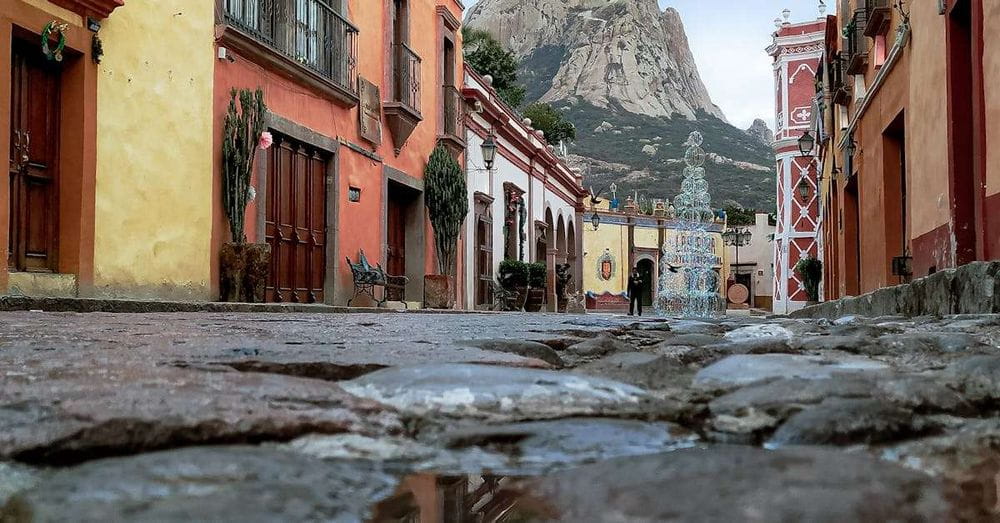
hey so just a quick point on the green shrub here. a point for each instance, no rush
(513, 274)
(811, 271)
(536, 274)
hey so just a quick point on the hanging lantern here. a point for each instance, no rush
(595, 220)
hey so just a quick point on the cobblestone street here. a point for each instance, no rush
(343, 416)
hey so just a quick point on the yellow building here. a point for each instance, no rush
(110, 125)
(628, 238)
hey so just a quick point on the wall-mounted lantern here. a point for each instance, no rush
(489, 149)
(595, 220)
(806, 143)
(803, 188)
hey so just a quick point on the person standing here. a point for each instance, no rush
(635, 287)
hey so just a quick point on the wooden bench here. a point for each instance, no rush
(366, 278)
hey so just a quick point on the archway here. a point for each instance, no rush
(561, 237)
(550, 228)
(648, 275)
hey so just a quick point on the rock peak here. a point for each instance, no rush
(625, 54)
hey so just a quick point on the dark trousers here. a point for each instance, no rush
(635, 303)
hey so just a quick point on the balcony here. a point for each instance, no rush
(840, 91)
(306, 40)
(857, 43)
(879, 16)
(453, 127)
(403, 110)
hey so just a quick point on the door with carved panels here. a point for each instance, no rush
(33, 172)
(295, 223)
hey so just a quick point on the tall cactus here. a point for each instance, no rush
(448, 202)
(241, 135)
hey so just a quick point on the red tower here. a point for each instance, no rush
(796, 50)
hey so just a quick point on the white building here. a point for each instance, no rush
(753, 264)
(525, 207)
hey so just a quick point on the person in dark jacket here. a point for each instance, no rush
(635, 287)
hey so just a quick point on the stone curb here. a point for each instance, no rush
(22, 303)
(973, 288)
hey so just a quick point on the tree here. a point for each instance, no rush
(448, 203)
(485, 55)
(550, 121)
(737, 216)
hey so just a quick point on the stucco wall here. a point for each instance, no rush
(927, 129)
(153, 215)
(613, 238)
(991, 80)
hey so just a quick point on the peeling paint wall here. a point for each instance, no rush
(153, 215)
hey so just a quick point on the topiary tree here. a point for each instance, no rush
(241, 137)
(447, 200)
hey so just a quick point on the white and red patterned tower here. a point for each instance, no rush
(797, 49)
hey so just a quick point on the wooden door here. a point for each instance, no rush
(33, 173)
(295, 223)
(395, 243)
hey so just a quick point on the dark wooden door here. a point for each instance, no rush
(646, 273)
(395, 244)
(295, 223)
(34, 130)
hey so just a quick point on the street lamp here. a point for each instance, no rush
(489, 149)
(595, 220)
(806, 143)
(737, 238)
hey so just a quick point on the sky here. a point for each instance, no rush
(728, 38)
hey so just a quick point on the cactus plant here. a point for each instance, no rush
(241, 135)
(448, 203)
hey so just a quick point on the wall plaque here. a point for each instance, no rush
(370, 111)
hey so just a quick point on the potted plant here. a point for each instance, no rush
(536, 287)
(447, 202)
(243, 268)
(513, 277)
(811, 271)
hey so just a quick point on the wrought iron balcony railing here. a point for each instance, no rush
(857, 43)
(840, 91)
(453, 113)
(406, 72)
(308, 32)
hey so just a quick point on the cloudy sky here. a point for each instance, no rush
(728, 38)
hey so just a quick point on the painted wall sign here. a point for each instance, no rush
(370, 111)
(606, 266)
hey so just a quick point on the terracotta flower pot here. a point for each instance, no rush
(243, 272)
(536, 298)
(439, 291)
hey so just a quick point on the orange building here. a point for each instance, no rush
(910, 94)
(359, 92)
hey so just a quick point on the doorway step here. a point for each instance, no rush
(42, 285)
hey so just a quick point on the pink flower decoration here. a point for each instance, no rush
(265, 140)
